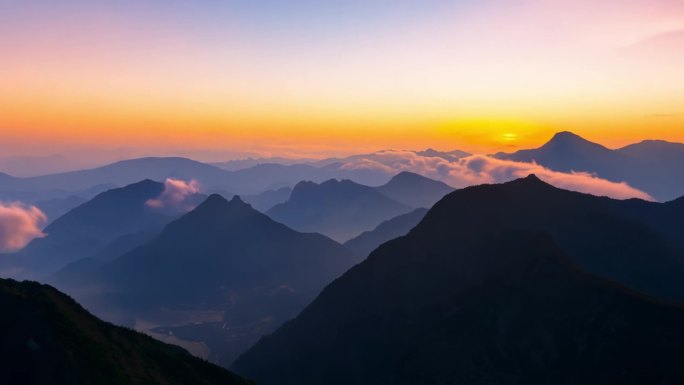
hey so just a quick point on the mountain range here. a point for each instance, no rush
(519, 283)
(226, 257)
(338, 209)
(652, 166)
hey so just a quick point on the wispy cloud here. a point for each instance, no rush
(176, 195)
(19, 224)
(479, 169)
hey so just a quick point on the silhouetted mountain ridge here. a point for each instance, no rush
(47, 338)
(487, 290)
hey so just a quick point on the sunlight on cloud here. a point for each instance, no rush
(176, 195)
(19, 224)
(480, 169)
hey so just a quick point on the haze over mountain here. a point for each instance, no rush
(386, 231)
(651, 166)
(123, 173)
(414, 190)
(47, 338)
(28, 166)
(267, 199)
(224, 257)
(56, 207)
(338, 209)
(491, 287)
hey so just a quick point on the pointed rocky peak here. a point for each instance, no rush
(216, 203)
(530, 182)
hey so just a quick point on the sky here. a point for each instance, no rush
(221, 79)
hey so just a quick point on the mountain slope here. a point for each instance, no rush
(414, 190)
(386, 231)
(88, 228)
(47, 338)
(338, 209)
(470, 298)
(224, 257)
(651, 166)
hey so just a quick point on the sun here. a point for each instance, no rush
(509, 136)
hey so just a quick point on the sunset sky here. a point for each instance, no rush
(317, 78)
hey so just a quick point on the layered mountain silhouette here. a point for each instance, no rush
(47, 338)
(55, 208)
(126, 172)
(414, 190)
(386, 231)
(223, 256)
(89, 228)
(501, 284)
(651, 166)
(338, 209)
(267, 199)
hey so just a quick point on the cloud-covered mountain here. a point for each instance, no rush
(414, 190)
(47, 338)
(386, 231)
(492, 287)
(225, 257)
(651, 166)
(338, 209)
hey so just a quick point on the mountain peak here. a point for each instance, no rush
(566, 139)
(533, 178)
(566, 135)
(530, 181)
(408, 175)
(215, 199)
(217, 205)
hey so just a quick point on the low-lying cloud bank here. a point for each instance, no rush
(19, 225)
(480, 169)
(176, 196)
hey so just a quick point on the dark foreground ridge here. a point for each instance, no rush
(484, 291)
(47, 338)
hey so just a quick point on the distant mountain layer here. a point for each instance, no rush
(414, 190)
(267, 199)
(47, 338)
(651, 166)
(338, 209)
(224, 256)
(123, 173)
(386, 231)
(491, 288)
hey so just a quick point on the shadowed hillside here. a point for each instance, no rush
(47, 338)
